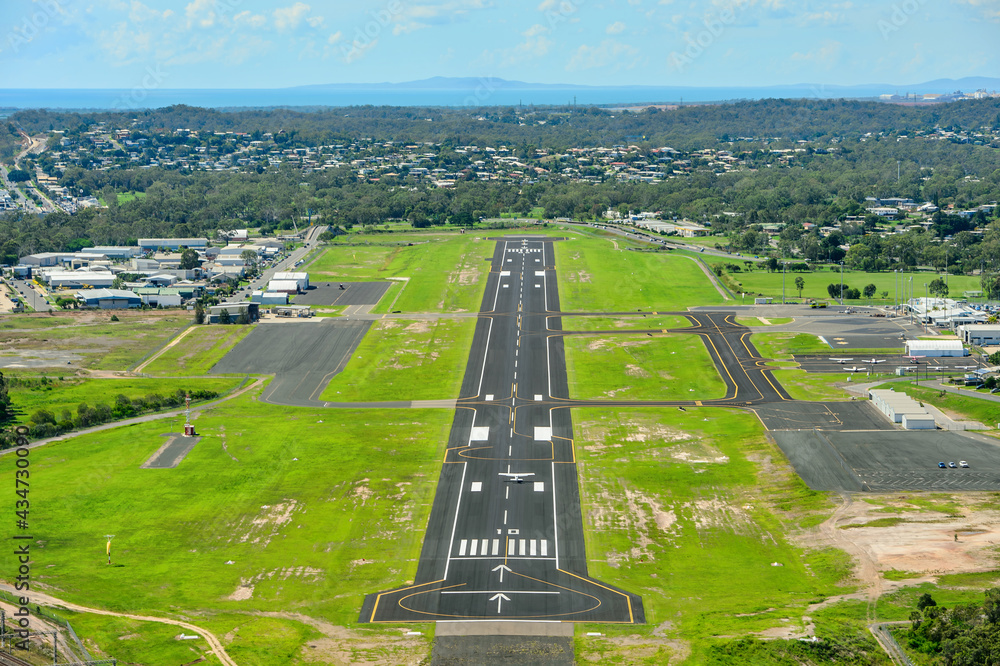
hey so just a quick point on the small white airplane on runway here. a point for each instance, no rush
(855, 369)
(842, 361)
(873, 360)
(516, 477)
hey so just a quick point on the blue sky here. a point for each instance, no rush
(257, 44)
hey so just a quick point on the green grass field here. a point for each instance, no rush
(762, 321)
(693, 523)
(784, 345)
(594, 277)
(60, 393)
(198, 351)
(102, 344)
(624, 323)
(802, 385)
(671, 366)
(406, 360)
(446, 275)
(311, 509)
(769, 284)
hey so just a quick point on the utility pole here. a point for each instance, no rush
(784, 266)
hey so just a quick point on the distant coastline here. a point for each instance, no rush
(468, 92)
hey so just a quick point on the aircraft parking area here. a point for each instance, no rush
(891, 460)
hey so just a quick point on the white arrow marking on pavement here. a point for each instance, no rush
(501, 568)
(499, 597)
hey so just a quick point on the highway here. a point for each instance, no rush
(499, 547)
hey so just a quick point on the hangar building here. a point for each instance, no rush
(935, 348)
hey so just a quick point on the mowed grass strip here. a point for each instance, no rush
(275, 508)
(65, 393)
(624, 323)
(695, 522)
(671, 366)
(784, 345)
(816, 283)
(594, 277)
(406, 360)
(198, 351)
(445, 275)
(802, 385)
(764, 321)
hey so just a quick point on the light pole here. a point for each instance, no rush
(842, 283)
(784, 266)
(895, 297)
(926, 308)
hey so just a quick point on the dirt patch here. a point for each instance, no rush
(633, 370)
(266, 524)
(343, 646)
(419, 327)
(924, 544)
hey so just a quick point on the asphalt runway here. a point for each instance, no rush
(303, 356)
(505, 536)
(892, 460)
(353, 293)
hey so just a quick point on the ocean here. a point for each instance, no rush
(482, 93)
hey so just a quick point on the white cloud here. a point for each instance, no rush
(989, 8)
(289, 18)
(608, 52)
(411, 17)
(827, 54)
(249, 19)
(200, 12)
(335, 37)
(615, 28)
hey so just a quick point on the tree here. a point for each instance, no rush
(189, 260)
(224, 317)
(925, 601)
(199, 313)
(994, 358)
(833, 290)
(800, 284)
(5, 410)
(250, 260)
(243, 319)
(869, 291)
(938, 287)
(771, 264)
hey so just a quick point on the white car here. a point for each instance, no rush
(962, 463)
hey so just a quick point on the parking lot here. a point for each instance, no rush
(892, 460)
